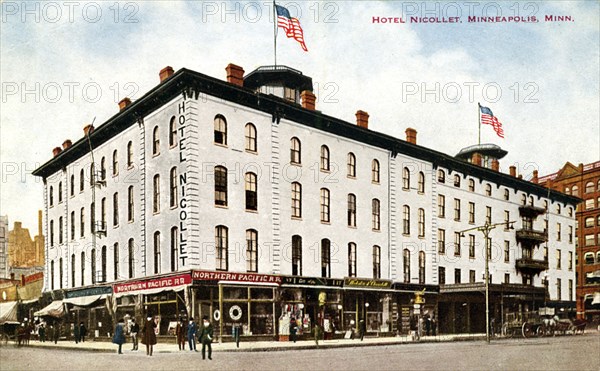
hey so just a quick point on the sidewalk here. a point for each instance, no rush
(260, 346)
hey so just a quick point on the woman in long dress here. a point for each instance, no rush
(149, 336)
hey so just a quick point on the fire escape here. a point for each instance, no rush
(530, 239)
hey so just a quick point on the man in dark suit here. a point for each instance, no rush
(206, 337)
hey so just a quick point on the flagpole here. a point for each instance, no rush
(479, 118)
(275, 32)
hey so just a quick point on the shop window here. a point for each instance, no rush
(251, 192)
(296, 255)
(221, 247)
(351, 165)
(296, 200)
(351, 210)
(251, 250)
(295, 151)
(172, 132)
(220, 186)
(250, 137)
(351, 259)
(325, 158)
(376, 262)
(220, 130)
(325, 258)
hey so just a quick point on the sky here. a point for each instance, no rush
(64, 63)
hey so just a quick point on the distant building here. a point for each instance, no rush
(583, 181)
(4, 246)
(25, 255)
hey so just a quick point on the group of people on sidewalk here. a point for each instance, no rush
(189, 332)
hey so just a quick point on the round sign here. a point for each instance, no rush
(217, 315)
(235, 312)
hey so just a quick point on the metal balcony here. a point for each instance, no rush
(526, 234)
(531, 265)
(531, 211)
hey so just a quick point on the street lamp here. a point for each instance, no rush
(486, 229)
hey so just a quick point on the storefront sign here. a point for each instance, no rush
(233, 276)
(312, 281)
(367, 283)
(164, 282)
(90, 291)
(34, 277)
(412, 287)
(183, 213)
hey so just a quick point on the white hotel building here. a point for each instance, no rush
(238, 200)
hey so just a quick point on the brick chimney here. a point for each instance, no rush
(534, 179)
(411, 135)
(67, 143)
(164, 74)
(476, 159)
(235, 74)
(56, 151)
(88, 129)
(495, 165)
(124, 103)
(308, 99)
(362, 119)
(512, 171)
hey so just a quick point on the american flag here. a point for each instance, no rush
(290, 25)
(488, 118)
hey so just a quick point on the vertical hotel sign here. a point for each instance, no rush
(182, 171)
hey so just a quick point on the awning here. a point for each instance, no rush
(54, 309)
(83, 301)
(8, 312)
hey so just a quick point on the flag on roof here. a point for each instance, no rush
(488, 118)
(290, 25)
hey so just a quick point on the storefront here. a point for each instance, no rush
(415, 304)
(368, 300)
(88, 306)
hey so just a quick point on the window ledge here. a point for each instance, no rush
(299, 218)
(251, 211)
(327, 223)
(251, 152)
(222, 206)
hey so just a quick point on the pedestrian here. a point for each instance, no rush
(119, 336)
(293, 329)
(433, 326)
(56, 334)
(135, 329)
(180, 332)
(192, 330)
(148, 335)
(236, 334)
(42, 333)
(318, 333)
(76, 334)
(427, 325)
(82, 332)
(362, 328)
(206, 337)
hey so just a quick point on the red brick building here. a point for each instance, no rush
(583, 181)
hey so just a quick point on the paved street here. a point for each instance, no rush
(558, 353)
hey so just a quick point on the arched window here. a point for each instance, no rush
(93, 266)
(351, 165)
(324, 158)
(82, 268)
(441, 176)
(406, 219)
(155, 141)
(251, 192)
(52, 233)
(375, 171)
(405, 179)
(421, 223)
(116, 261)
(422, 267)
(60, 190)
(103, 263)
(81, 180)
(406, 265)
(115, 163)
(51, 196)
(220, 186)
(251, 250)
(130, 204)
(92, 175)
(325, 205)
(115, 209)
(575, 191)
(457, 180)
(131, 257)
(376, 262)
(156, 194)
(598, 257)
(174, 248)
(60, 230)
(172, 132)
(589, 258)
(421, 185)
(221, 247)
(92, 217)
(251, 138)
(589, 187)
(471, 185)
(72, 270)
(52, 275)
(82, 222)
(72, 185)
(589, 221)
(296, 200)
(296, 255)
(488, 190)
(156, 244)
(72, 225)
(376, 214)
(220, 130)
(173, 187)
(295, 151)
(351, 210)
(129, 154)
(103, 168)
(598, 186)
(351, 259)
(325, 258)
